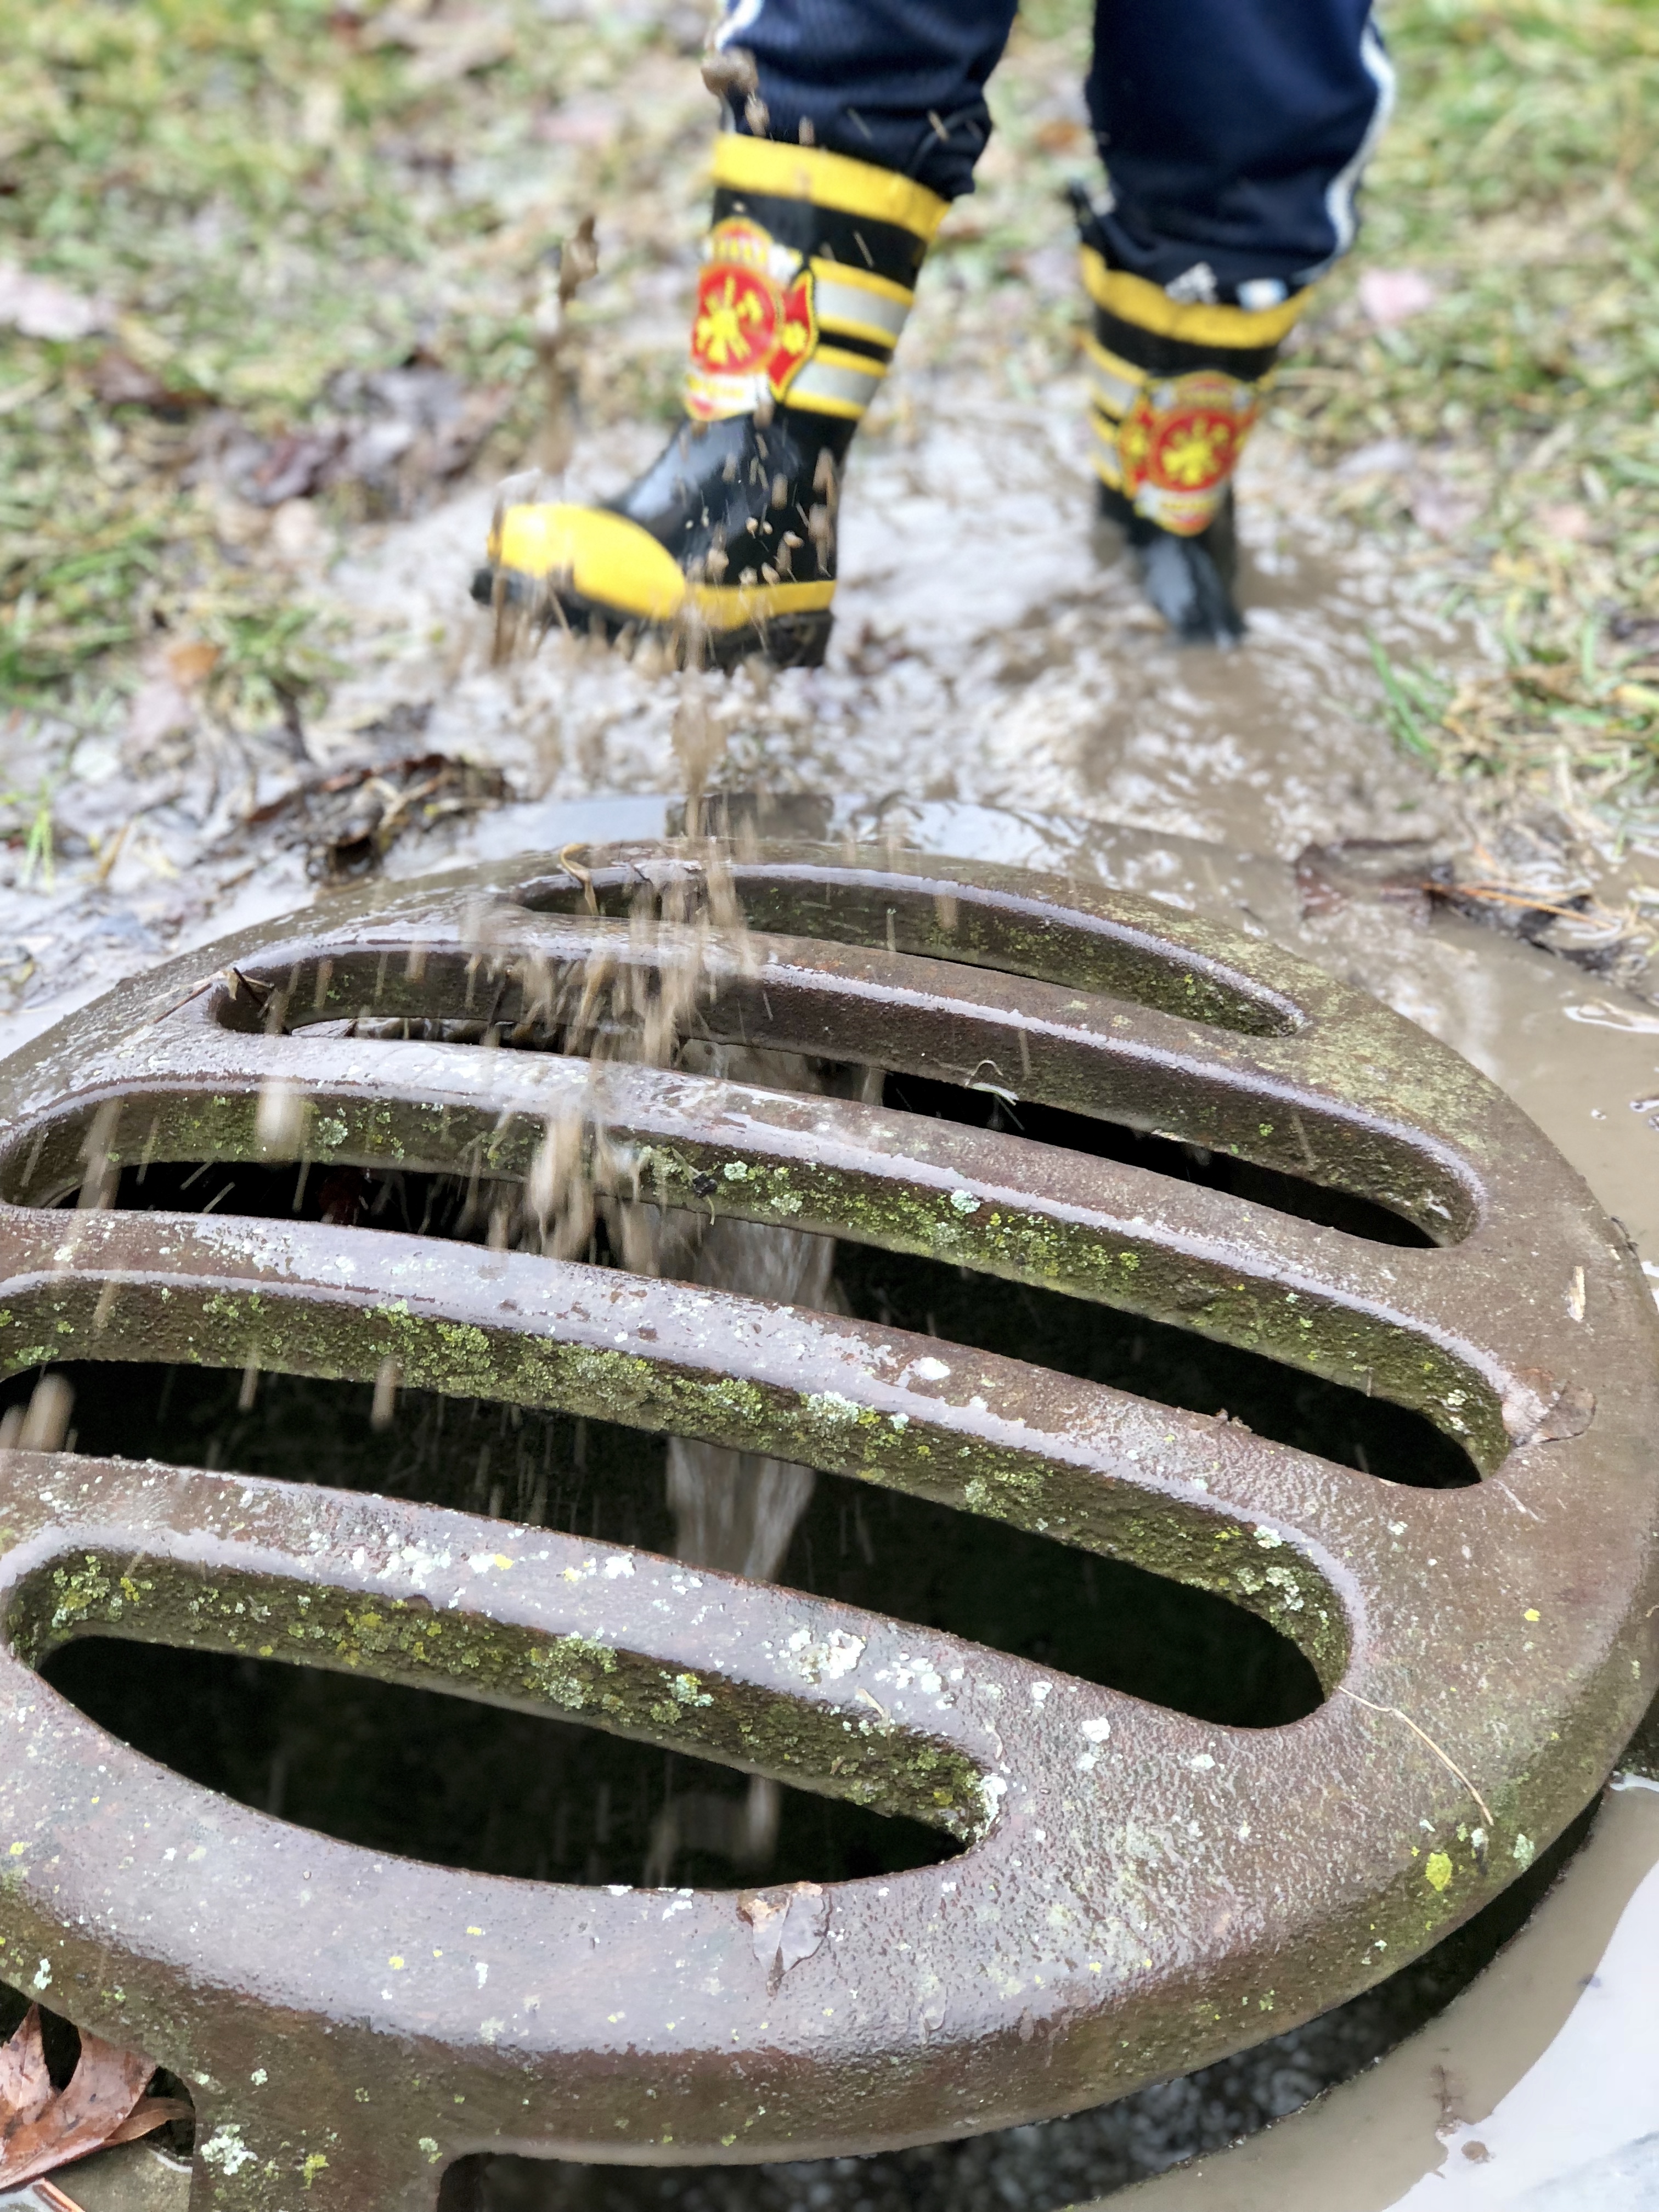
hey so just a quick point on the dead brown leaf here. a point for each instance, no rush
(1061, 134)
(167, 701)
(118, 380)
(191, 662)
(351, 820)
(43, 2128)
(785, 1926)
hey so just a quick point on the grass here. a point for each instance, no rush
(271, 197)
(1413, 701)
(1521, 177)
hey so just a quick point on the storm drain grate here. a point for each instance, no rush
(1140, 1890)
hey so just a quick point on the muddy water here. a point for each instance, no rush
(1536, 2091)
(990, 646)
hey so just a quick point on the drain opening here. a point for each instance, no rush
(954, 922)
(1101, 1344)
(1302, 1199)
(433, 1777)
(884, 1550)
(1175, 1366)
(537, 1001)
(989, 1107)
(437, 1778)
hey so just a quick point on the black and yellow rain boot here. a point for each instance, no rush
(1175, 387)
(727, 544)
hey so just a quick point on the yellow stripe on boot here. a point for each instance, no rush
(613, 564)
(768, 312)
(1194, 322)
(768, 168)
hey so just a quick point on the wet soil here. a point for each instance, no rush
(991, 645)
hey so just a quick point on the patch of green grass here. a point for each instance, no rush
(1520, 174)
(265, 196)
(1415, 700)
(32, 827)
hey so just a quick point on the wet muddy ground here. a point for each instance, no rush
(990, 648)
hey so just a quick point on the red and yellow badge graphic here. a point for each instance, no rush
(1180, 443)
(755, 324)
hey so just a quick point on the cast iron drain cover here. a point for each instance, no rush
(1141, 1892)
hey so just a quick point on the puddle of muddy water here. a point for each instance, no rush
(1536, 2091)
(991, 645)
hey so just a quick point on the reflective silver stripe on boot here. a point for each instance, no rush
(837, 381)
(852, 305)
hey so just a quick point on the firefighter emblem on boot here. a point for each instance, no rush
(1180, 443)
(754, 324)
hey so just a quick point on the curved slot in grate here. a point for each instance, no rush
(1097, 1138)
(1162, 1360)
(1158, 1360)
(424, 1777)
(1099, 1620)
(1156, 957)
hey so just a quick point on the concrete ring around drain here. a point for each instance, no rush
(1483, 1649)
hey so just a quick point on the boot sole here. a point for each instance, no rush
(797, 640)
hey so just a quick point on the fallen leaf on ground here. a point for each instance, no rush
(42, 2128)
(192, 661)
(1392, 296)
(41, 307)
(120, 381)
(351, 819)
(1061, 133)
(296, 464)
(165, 701)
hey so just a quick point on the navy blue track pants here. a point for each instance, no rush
(1233, 132)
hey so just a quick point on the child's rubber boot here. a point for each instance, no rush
(1176, 386)
(726, 545)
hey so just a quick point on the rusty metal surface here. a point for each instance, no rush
(1141, 1892)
